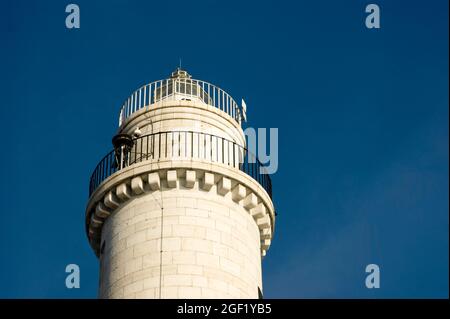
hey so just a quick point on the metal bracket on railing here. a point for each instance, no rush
(122, 146)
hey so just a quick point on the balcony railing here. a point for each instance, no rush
(181, 145)
(179, 89)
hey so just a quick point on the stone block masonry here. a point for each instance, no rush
(172, 238)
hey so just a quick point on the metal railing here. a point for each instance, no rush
(179, 89)
(181, 145)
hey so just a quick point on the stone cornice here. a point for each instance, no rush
(146, 177)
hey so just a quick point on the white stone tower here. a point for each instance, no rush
(180, 208)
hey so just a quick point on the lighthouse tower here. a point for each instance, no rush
(179, 208)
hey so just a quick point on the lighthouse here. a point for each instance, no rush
(179, 208)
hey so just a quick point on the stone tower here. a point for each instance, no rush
(179, 208)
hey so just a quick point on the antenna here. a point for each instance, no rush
(180, 64)
(244, 110)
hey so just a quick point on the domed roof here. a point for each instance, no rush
(180, 74)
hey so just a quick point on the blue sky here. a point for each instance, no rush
(362, 117)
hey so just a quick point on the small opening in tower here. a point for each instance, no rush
(102, 249)
(260, 294)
